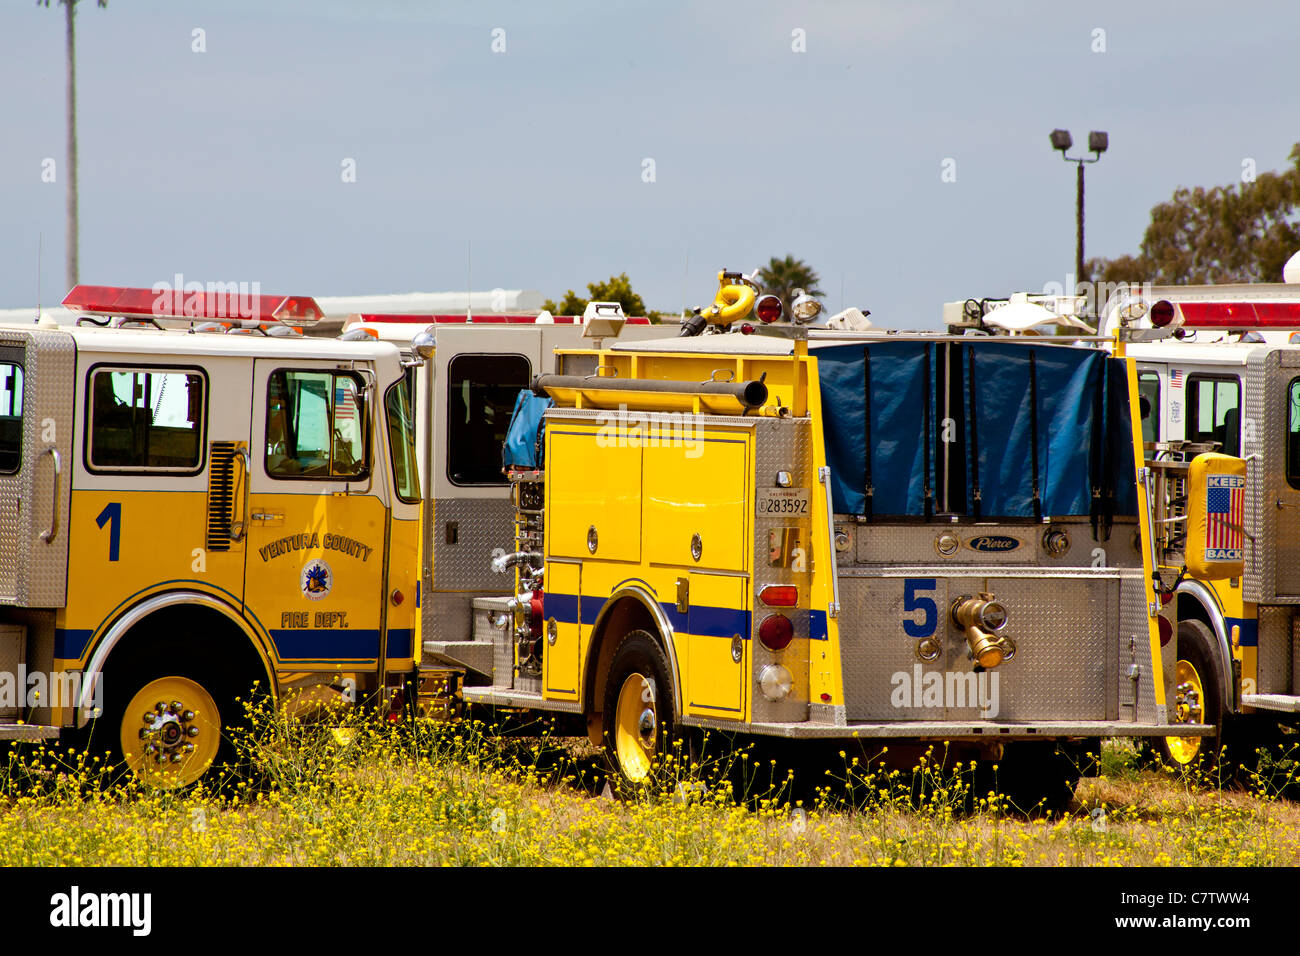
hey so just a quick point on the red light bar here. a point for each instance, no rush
(1239, 316)
(482, 318)
(178, 304)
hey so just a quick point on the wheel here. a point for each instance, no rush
(1038, 777)
(1198, 698)
(167, 716)
(638, 713)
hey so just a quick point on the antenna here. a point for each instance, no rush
(469, 277)
(40, 242)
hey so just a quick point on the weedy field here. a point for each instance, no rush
(370, 793)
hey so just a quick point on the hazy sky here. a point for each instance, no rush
(229, 164)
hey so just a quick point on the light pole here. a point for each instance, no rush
(1097, 143)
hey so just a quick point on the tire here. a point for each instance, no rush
(638, 711)
(1038, 777)
(167, 716)
(1198, 690)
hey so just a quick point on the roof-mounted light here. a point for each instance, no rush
(164, 303)
(805, 307)
(768, 308)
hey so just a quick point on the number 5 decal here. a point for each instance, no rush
(914, 602)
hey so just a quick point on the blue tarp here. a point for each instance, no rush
(523, 446)
(1008, 406)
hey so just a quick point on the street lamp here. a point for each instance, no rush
(1097, 143)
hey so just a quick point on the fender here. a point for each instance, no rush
(646, 600)
(1205, 597)
(121, 627)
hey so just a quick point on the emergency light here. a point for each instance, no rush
(180, 304)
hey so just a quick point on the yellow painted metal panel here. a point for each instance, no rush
(699, 487)
(560, 661)
(716, 618)
(315, 577)
(1216, 493)
(594, 482)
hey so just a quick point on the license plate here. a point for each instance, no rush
(780, 502)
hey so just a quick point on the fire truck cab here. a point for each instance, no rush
(1218, 372)
(186, 511)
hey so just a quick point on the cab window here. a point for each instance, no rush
(315, 425)
(11, 417)
(401, 439)
(481, 393)
(146, 420)
(1149, 404)
(1214, 411)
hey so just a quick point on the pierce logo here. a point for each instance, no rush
(993, 542)
(317, 579)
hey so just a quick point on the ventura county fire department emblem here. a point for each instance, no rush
(317, 579)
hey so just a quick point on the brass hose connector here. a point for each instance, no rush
(983, 619)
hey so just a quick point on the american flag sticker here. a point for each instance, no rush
(1225, 512)
(1176, 378)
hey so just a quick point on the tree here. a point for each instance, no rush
(1237, 233)
(615, 289)
(781, 277)
(70, 10)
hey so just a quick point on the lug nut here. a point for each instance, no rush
(187, 716)
(192, 731)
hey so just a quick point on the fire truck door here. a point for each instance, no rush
(36, 426)
(317, 516)
(1282, 478)
(478, 373)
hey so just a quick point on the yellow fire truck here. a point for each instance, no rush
(1219, 372)
(888, 538)
(185, 511)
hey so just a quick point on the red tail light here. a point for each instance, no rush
(779, 595)
(768, 308)
(776, 632)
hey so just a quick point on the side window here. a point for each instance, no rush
(1149, 402)
(481, 393)
(11, 417)
(1293, 434)
(146, 420)
(1214, 411)
(315, 425)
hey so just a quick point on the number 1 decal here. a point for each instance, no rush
(914, 602)
(112, 516)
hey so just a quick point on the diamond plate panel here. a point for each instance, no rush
(1062, 670)
(783, 445)
(13, 641)
(485, 611)
(876, 543)
(1259, 560)
(482, 526)
(449, 616)
(1137, 695)
(1274, 651)
(33, 571)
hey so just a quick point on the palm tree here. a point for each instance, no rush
(70, 11)
(782, 276)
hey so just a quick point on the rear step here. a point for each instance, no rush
(1287, 703)
(16, 731)
(474, 655)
